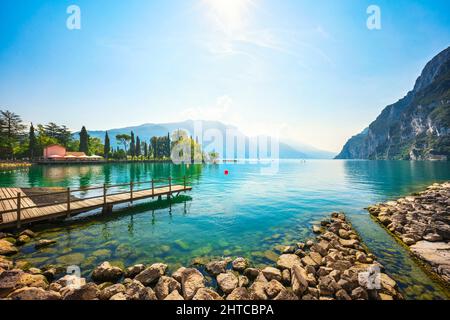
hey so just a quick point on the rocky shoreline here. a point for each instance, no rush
(334, 266)
(422, 223)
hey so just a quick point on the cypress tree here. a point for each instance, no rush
(138, 147)
(168, 146)
(132, 145)
(107, 146)
(84, 141)
(145, 150)
(32, 143)
(153, 146)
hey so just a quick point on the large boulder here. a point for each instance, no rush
(33, 293)
(328, 286)
(287, 261)
(299, 280)
(216, 267)
(273, 288)
(178, 274)
(251, 273)
(107, 273)
(206, 294)
(151, 274)
(133, 271)
(258, 288)
(5, 263)
(111, 291)
(227, 282)
(174, 295)
(8, 281)
(135, 290)
(7, 248)
(165, 286)
(239, 294)
(240, 264)
(271, 273)
(286, 295)
(87, 292)
(191, 281)
(118, 297)
(70, 281)
(32, 280)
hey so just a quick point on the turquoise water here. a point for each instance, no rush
(244, 213)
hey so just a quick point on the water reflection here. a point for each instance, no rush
(243, 213)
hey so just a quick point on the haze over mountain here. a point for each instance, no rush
(287, 150)
(417, 127)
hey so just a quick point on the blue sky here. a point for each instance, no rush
(311, 70)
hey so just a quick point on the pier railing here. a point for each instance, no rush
(21, 201)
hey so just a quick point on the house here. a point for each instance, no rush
(59, 153)
(54, 151)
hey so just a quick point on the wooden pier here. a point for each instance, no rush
(18, 209)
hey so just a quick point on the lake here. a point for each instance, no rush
(242, 213)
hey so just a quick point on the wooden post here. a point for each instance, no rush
(104, 194)
(68, 202)
(131, 191)
(153, 187)
(18, 209)
(184, 182)
(170, 185)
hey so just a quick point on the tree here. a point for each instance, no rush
(107, 148)
(32, 144)
(167, 153)
(61, 133)
(132, 145)
(11, 131)
(154, 146)
(84, 141)
(124, 140)
(95, 146)
(145, 149)
(185, 148)
(137, 150)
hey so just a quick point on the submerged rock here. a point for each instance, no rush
(7, 248)
(44, 243)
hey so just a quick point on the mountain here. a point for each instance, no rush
(146, 131)
(417, 127)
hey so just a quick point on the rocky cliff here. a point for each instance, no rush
(416, 127)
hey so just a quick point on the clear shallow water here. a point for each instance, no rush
(244, 213)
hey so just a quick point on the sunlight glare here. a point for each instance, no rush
(230, 15)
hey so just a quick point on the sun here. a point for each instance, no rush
(230, 15)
